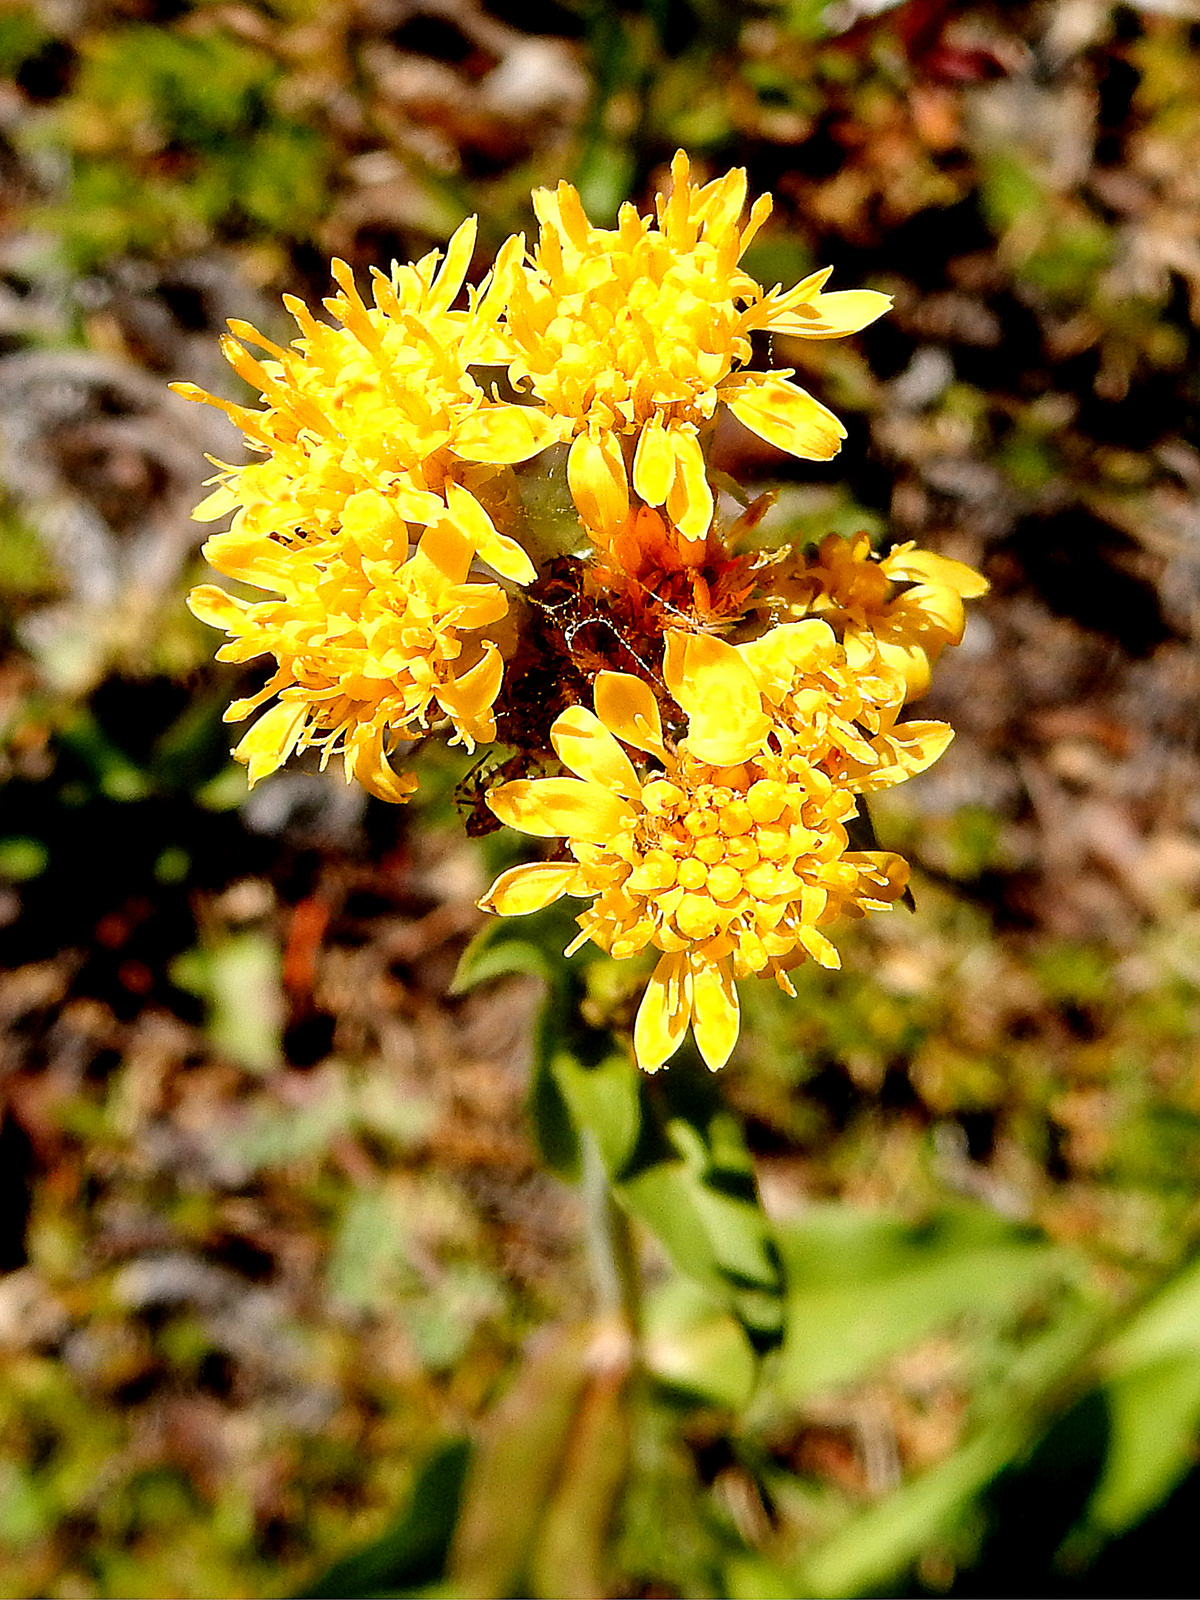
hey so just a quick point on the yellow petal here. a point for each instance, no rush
(720, 203)
(910, 661)
(478, 604)
(689, 500)
(806, 290)
(716, 688)
(523, 889)
(832, 316)
(905, 751)
(566, 806)
(250, 557)
(501, 553)
(715, 1014)
(908, 565)
(502, 434)
(272, 739)
(792, 647)
(216, 606)
(653, 463)
(449, 280)
(859, 645)
(562, 208)
(367, 764)
(584, 744)
(597, 480)
(216, 504)
(627, 707)
(418, 505)
(664, 1014)
(469, 699)
(883, 877)
(370, 517)
(938, 613)
(784, 415)
(445, 547)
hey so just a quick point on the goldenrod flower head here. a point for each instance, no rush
(795, 688)
(895, 615)
(383, 402)
(368, 638)
(728, 860)
(633, 335)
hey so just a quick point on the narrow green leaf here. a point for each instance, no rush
(605, 1100)
(870, 1552)
(1155, 1416)
(515, 1468)
(1168, 1325)
(1154, 1403)
(495, 952)
(413, 1550)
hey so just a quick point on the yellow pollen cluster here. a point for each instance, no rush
(726, 861)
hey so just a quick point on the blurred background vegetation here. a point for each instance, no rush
(276, 1224)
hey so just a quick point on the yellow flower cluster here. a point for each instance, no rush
(731, 853)
(373, 431)
(366, 639)
(704, 802)
(633, 335)
(893, 615)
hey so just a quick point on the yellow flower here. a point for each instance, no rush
(726, 857)
(894, 615)
(796, 686)
(384, 402)
(633, 335)
(368, 639)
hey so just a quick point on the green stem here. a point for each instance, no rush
(616, 1280)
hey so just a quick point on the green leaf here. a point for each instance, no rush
(1154, 1413)
(868, 1553)
(1154, 1405)
(891, 1285)
(553, 1129)
(1169, 1325)
(697, 1347)
(605, 1100)
(413, 1550)
(497, 952)
(692, 1184)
